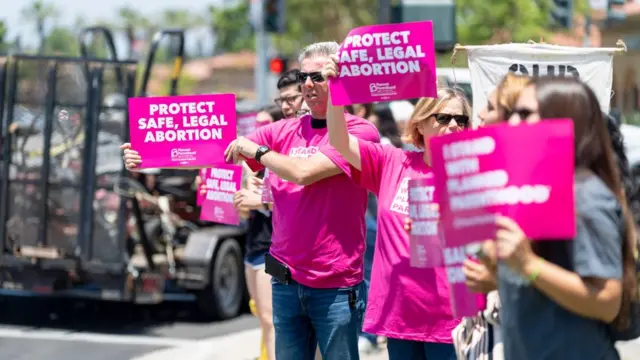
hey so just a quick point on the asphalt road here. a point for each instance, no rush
(52, 329)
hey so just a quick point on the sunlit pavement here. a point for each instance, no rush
(49, 329)
(64, 331)
(244, 346)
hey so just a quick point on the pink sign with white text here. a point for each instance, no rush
(189, 131)
(524, 172)
(199, 196)
(384, 63)
(247, 123)
(425, 242)
(463, 301)
(222, 182)
(266, 188)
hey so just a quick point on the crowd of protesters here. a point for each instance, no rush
(328, 258)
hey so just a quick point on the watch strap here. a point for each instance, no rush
(260, 152)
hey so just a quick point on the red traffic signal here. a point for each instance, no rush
(277, 65)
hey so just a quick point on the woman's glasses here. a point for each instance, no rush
(445, 119)
(523, 113)
(289, 100)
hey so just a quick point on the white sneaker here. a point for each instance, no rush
(365, 346)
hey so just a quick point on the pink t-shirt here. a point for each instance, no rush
(319, 229)
(404, 302)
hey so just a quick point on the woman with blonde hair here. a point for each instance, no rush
(502, 100)
(416, 316)
(480, 337)
(500, 106)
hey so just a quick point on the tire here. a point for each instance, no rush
(222, 299)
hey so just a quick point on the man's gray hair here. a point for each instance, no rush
(319, 49)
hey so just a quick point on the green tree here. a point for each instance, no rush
(500, 21)
(181, 19)
(40, 13)
(61, 40)
(327, 20)
(4, 46)
(231, 28)
(130, 19)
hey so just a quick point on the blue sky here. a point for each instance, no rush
(91, 11)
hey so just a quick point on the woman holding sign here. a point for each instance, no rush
(568, 299)
(416, 315)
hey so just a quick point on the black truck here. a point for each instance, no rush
(73, 221)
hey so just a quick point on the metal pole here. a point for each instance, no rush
(262, 49)
(587, 32)
(384, 11)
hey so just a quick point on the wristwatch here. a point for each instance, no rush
(261, 151)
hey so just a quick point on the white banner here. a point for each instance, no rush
(489, 64)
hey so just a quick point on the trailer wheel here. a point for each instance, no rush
(222, 298)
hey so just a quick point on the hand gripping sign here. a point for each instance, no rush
(425, 241)
(222, 182)
(524, 172)
(384, 63)
(182, 131)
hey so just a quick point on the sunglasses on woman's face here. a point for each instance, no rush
(523, 113)
(315, 76)
(445, 119)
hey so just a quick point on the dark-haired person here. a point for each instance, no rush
(382, 118)
(360, 110)
(248, 201)
(368, 343)
(562, 299)
(290, 97)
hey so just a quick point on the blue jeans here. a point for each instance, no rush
(416, 350)
(304, 317)
(368, 263)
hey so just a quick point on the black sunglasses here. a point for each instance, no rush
(315, 76)
(523, 113)
(445, 119)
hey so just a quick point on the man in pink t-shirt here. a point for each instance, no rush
(318, 243)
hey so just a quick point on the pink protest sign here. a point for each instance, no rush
(463, 301)
(247, 123)
(425, 243)
(200, 197)
(222, 182)
(266, 188)
(384, 63)
(524, 172)
(182, 131)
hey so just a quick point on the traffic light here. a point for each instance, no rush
(274, 16)
(442, 13)
(562, 14)
(277, 65)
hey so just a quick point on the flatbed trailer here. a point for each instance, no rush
(63, 229)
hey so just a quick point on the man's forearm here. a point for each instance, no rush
(287, 168)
